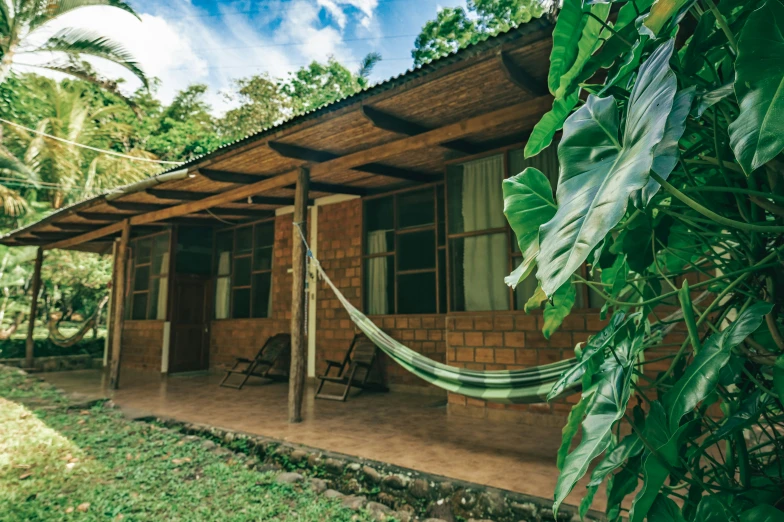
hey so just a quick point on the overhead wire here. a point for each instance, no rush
(89, 147)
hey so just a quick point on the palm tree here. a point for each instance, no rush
(23, 22)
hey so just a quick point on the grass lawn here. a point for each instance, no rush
(61, 464)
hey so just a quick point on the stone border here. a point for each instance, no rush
(57, 363)
(383, 489)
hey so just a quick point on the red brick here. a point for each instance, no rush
(505, 356)
(484, 355)
(401, 322)
(464, 323)
(455, 339)
(514, 339)
(465, 354)
(454, 398)
(478, 403)
(420, 335)
(483, 323)
(526, 357)
(494, 339)
(504, 322)
(474, 339)
(525, 322)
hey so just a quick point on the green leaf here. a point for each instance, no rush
(757, 135)
(656, 467)
(528, 204)
(664, 510)
(702, 375)
(763, 513)
(630, 446)
(611, 394)
(710, 509)
(556, 311)
(748, 412)
(660, 14)
(711, 98)
(621, 484)
(587, 43)
(666, 153)
(535, 301)
(596, 345)
(778, 377)
(615, 275)
(599, 170)
(570, 428)
(568, 28)
(542, 135)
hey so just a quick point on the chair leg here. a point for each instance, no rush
(248, 373)
(349, 383)
(229, 374)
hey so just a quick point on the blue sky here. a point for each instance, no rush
(214, 41)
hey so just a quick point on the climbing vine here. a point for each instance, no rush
(671, 191)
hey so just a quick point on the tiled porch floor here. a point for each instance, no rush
(406, 430)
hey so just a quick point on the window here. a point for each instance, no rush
(243, 275)
(149, 284)
(404, 253)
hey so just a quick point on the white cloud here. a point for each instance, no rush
(181, 44)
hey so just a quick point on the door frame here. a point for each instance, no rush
(207, 314)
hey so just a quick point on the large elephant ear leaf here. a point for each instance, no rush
(702, 375)
(757, 135)
(528, 204)
(600, 170)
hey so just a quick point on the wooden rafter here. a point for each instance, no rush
(390, 122)
(519, 76)
(288, 150)
(245, 179)
(185, 195)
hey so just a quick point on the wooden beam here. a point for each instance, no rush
(118, 320)
(298, 342)
(152, 207)
(102, 216)
(111, 312)
(89, 236)
(288, 150)
(30, 342)
(390, 122)
(184, 195)
(133, 206)
(243, 178)
(518, 76)
(528, 113)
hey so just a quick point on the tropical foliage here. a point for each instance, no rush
(456, 27)
(26, 39)
(671, 191)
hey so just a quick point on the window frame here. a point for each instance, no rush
(246, 255)
(434, 187)
(151, 278)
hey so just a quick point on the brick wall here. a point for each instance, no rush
(142, 343)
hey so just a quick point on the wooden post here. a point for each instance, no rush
(298, 344)
(112, 312)
(30, 343)
(121, 271)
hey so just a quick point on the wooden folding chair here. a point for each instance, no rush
(262, 364)
(354, 370)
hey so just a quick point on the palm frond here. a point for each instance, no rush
(11, 202)
(5, 17)
(55, 8)
(79, 42)
(368, 63)
(11, 167)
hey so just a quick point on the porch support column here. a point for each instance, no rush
(30, 343)
(298, 344)
(118, 318)
(112, 312)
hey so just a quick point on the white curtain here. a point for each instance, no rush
(223, 286)
(484, 257)
(377, 292)
(163, 287)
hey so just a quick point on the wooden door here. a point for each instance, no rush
(190, 337)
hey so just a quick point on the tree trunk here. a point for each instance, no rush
(298, 344)
(30, 343)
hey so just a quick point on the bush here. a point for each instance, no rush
(15, 348)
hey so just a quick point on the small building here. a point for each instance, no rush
(402, 185)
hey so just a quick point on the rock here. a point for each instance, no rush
(318, 485)
(479, 520)
(229, 437)
(402, 516)
(445, 489)
(267, 467)
(395, 481)
(354, 502)
(208, 445)
(373, 476)
(441, 511)
(546, 515)
(493, 503)
(314, 459)
(353, 486)
(387, 499)
(282, 451)
(527, 510)
(288, 478)
(331, 493)
(298, 456)
(434, 520)
(419, 488)
(334, 465)
(353, 467)
(378, 511)
(465, 498)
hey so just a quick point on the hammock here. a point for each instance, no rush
(8, 332)
(530, 385)
(58, 339)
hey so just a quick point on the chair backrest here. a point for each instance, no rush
(363, 350)
(274, 346)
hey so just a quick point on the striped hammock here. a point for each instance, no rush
(530, 385)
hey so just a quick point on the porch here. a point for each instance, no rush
(407, 430)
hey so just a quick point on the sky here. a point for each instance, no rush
(182, 42)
